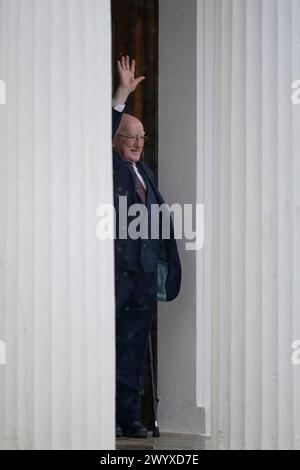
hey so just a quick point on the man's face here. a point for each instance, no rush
(128, 142)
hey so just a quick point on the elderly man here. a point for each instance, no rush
(146, 269)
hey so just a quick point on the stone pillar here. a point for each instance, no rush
(255, 224)
(56, 277)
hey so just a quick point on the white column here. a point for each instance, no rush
(255, 223)
(56, 277)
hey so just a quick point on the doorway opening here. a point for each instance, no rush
(135, 33)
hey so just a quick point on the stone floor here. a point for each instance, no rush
(166, 441)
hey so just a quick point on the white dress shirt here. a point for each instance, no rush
(138, 174)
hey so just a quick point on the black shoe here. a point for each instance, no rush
(118, 431)
(135, 429)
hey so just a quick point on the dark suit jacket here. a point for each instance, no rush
(145, 255)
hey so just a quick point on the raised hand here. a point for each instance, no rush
(127, 73)
(128, 82)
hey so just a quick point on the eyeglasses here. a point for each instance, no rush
(133, 138)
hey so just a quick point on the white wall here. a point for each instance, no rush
(56, 278)
(180, 349)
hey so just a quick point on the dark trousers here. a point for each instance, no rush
(135, 297)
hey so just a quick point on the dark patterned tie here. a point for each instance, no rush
(139, 187)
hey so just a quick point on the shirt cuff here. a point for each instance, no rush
(118, 107)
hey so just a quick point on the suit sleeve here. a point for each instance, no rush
(116, 119)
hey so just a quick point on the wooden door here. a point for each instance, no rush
(135, 33)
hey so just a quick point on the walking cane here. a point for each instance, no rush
(154, 398)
